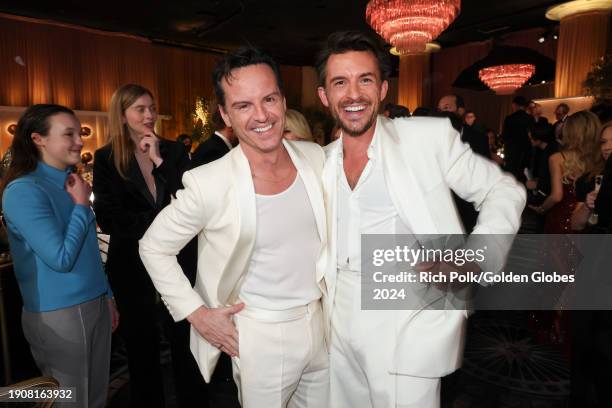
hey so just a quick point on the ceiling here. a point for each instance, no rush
(290, 30)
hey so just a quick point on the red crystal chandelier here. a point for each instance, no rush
(505, 79)
(410, 24)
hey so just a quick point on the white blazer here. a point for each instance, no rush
(423, 159)
(218, 205)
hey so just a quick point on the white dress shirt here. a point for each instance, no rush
(367, 209)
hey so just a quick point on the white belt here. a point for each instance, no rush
(344, 270)
(280, 315)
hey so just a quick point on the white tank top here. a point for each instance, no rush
(282, 272)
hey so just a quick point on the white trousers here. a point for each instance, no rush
(283, 359)
(361, 355)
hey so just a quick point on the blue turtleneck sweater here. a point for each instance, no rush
(53, 242)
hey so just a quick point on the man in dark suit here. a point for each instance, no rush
(516, 140)
(561, 112)
(452, 106)
(542, 137)
(217, 145)
(475, 135)
(471, 133)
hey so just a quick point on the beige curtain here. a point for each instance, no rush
(80, 68)
(414, 86)
(582, 42)
(449, 62)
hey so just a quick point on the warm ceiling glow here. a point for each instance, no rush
(409, 25)
(570, 8)
(505, 79)
(430, 48)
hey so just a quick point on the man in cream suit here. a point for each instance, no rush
(395, 177)
(259, 216)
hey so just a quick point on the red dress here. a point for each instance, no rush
(558, 217)
(560, 253)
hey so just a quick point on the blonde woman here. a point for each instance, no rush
(580, 156)
(135, 175)
(579, 161)
(296, 127)
(587, 197)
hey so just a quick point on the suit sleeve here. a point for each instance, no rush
(496, 195)
(29, 211)
(173, 228)
(506, 129)
(603, 203)
(481, 144)
(112, 216)
(207, 153)
(172, 168)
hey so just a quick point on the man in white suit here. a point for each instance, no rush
(395, 177)
(259, 216)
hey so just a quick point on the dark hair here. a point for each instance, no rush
(469, 111)
(242, 57)
(421, 111)
(520, 101)
(603, 112)
(459, 101)
(564, 106)
(454, 118)
(397, 111)
(345, 41)
(216, 120)
(24, 153)
(543, 132)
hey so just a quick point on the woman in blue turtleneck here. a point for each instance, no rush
(69, 312)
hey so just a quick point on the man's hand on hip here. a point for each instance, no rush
(217, 327)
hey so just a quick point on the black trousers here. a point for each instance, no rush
(142, 318)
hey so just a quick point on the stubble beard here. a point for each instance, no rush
(352, 131)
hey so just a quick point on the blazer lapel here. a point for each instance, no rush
(137, 179)
(401, 181)
(160, 180)
(244, 194)
(330, 178)
(315, 194)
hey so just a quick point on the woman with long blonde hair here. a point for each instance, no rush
(579, 158)
(135, 175)
(578, 161)
(587, 197)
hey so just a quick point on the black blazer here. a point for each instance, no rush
(516, 126)
(477, 139)
(212, 149)
(603, 203)
(125, 209)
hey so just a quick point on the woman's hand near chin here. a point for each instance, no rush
(150, 144)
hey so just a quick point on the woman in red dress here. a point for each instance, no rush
(578, 161)
(580, 155)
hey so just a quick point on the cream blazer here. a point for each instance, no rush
(423, 159)
(218, 205)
